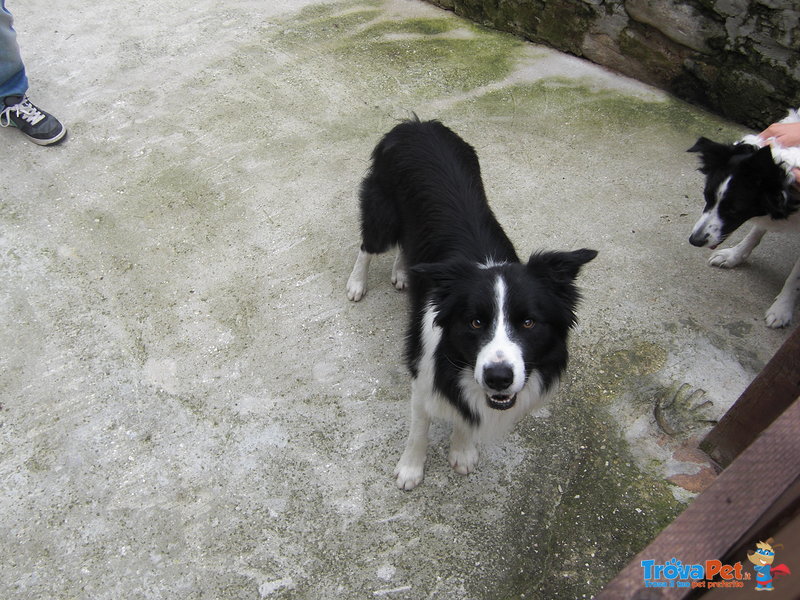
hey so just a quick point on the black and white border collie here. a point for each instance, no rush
(487, 338)
(750, 180)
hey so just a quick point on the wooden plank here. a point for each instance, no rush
(760, 404)
(723, 515)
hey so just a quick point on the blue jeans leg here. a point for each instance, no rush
(13, 80)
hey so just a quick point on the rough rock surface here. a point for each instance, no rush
(740, 58)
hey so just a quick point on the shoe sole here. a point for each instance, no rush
(43, 142)
(50, 141)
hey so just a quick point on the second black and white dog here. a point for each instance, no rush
(487, 338)
(750, 181)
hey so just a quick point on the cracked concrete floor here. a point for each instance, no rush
(190, 406)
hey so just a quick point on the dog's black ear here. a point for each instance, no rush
(702, 144)
(562, 267)
(713, 155)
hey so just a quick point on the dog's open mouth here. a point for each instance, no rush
(501, 401)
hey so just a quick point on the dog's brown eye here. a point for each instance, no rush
(528, 323)
(476, 324)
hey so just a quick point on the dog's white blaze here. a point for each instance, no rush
(501, 348)
(709, 222)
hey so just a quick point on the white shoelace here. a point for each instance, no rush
(24, 110)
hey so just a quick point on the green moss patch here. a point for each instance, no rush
(418, 57)
(548, 103)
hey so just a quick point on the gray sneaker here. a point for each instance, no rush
(42, 128)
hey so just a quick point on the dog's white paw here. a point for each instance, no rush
(408, 474)
(399, 272)
(464, 460)
(726, 258)
(779, 314)
(400, 279)
(356, 288)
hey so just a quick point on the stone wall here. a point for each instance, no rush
(739, 58)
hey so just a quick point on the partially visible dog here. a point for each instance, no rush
(750, 181)
(487, 338)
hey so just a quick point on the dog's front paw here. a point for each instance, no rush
(356, 288)
(408, 475)
(779, 314)
(726, 258)
(464, 460)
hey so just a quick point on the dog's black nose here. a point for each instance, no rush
(698, 240)
(498, 376)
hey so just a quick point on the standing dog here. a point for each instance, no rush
(748, 182)
(487, 338)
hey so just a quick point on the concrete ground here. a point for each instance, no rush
(192, 409)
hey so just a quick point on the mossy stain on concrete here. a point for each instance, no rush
(597, 111)
(439, 65)
(421, 56)
(419, 27)
(327, 28)
(616, 368)
(328, 11)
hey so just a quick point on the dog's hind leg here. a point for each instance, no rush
(380, 230)
(400, 270)
(357, 282)
(780, 313)
(411, 467)
(732, 257)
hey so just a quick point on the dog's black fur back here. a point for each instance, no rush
(415, 163)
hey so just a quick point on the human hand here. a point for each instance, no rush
(784, 134)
